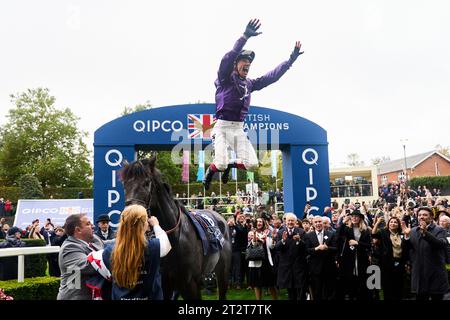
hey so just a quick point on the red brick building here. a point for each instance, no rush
(427, 164)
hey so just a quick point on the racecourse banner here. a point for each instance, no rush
(55, 209)
(180, 128)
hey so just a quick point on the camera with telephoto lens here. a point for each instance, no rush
(411, 203)
(266, 216)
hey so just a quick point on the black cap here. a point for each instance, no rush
(13, 231)
(246, 54)
(103, 217)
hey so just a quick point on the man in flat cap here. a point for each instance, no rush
(104, 231)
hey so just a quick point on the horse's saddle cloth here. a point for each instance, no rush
(208, 232)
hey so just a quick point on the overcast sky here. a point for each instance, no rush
(373, 72)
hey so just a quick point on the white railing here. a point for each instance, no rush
(22, 252)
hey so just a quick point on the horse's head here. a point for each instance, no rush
(139, 179)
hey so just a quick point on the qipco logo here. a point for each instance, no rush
(310, 158)
(113, 159)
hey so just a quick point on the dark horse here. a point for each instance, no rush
(182, 269)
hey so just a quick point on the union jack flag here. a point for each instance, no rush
(200, 125)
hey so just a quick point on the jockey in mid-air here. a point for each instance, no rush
(233, 92)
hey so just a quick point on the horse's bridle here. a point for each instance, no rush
(146, 205)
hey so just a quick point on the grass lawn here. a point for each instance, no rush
(243, 294)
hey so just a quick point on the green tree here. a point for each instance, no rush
(137, 108)
(171, 172)
(30, 187)
(44, 141)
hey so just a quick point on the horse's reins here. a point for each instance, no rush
(146, 204)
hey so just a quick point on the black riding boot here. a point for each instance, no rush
(208, 177)
(226, 173)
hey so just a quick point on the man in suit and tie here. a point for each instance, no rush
(75, 268)
(321, 249)
(292, 269)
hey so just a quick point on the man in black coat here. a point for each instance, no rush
(427, 245)
(104, 231)
(239, 232)
(292, 268)
(321, 249)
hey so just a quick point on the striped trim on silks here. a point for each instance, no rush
(95, 283)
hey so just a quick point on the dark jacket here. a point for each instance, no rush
(386, 252)
(447, 235)
(58, 240)
(149, 282)
(292, 268)
(240, 237)
(321, 261)
(427, 256)
(347, 256)
(12, 242)
(111, 234)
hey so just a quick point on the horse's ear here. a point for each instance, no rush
(152, 161)
(122, 172)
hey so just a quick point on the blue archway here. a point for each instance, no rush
(303, 145)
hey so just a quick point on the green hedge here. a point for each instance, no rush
(35, 265)
(67, 193)
(13, 193)
(41, 288)
(442, 183)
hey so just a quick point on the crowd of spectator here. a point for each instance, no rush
(405, 233)
(328, 256)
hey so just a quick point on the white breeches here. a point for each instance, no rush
(231, 135)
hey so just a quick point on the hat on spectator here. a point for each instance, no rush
(12, 231)
(356, 212)
(445, 212)
(103, 217)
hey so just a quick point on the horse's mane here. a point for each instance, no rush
(140, 170)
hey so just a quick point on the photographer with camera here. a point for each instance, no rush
(410, 216)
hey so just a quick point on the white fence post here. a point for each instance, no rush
(24, 251)
(21, 268)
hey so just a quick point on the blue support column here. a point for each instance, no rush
(108, 190)
(306, 178)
